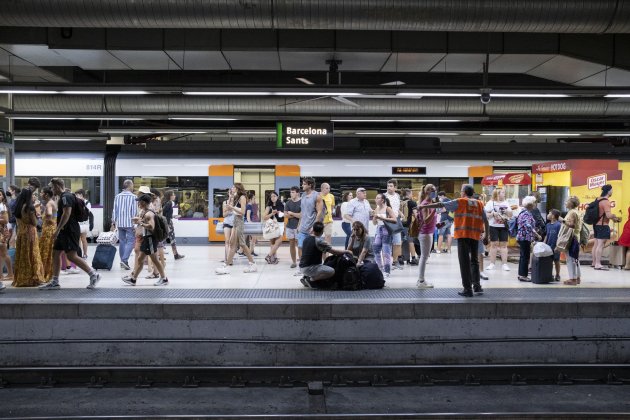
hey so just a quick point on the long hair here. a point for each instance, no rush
(3, 200)
(359, 225)
(425, 192)
(385, 199)
(25, 198)
(240, 191)
(270, 202)
(495, 194)
(345, 196)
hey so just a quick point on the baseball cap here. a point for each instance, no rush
(144, 190)
(360, 189)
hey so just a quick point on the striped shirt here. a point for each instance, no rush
(125, 208)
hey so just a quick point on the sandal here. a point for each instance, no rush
(269, 259)
(571, 282)
(602, 268)
(153, 276)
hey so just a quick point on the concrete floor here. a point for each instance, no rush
(196, 271)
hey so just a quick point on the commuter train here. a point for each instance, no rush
(201, 182)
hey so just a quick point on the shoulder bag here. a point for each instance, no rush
(393, 227)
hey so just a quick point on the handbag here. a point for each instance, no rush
(271, 229)
(393, 228)
(110, 238)
(564, 238)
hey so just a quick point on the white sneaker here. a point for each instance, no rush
(483, 276)
(74, 271)
(63, 272)
(94, 279)
(422, 284)
(298, 273)
(222, 270)
(161, 282)
(2, 287)
(251, 268)
(490, 267)
(506, 267)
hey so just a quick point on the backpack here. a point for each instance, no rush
(513, 226)
(351, 279)
(591, 216)
(160, 231)
(585, 234)
(80, 210)
(404, 211)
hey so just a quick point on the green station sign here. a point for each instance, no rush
(304, 136)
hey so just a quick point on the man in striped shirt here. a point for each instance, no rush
(125, 207)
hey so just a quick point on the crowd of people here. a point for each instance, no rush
(426, 220)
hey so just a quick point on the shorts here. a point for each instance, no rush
(149, 245)
(227, 226)
(301, 236)
(328, 229)
(292, 233)
(445, 231)
(601, 231)
(481, 248)
(397, 239)
(68, 241)
(556, 256)
(498, 234)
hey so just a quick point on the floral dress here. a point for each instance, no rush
(28, 268)
(46, 245)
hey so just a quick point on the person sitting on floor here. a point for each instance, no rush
(313, 248)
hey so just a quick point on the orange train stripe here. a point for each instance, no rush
(287, 170)
(221, 170)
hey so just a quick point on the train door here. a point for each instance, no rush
(259, 183)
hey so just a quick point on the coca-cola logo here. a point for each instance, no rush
(596, 181)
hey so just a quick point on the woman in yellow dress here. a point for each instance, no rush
(49, 226)
(5, 235)
(28, 270)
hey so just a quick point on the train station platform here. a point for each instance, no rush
(269, 319)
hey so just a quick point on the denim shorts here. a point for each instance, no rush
(601, 231)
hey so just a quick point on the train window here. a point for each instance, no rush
(91, 185)
(191, 193)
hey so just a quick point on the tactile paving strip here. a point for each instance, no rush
(164, 295)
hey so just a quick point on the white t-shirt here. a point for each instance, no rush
(344, 208)
(501, 207)
(394, 200)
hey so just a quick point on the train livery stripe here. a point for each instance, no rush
(221, 170)
(288, 170)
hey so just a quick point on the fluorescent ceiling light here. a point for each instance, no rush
(616, 134)
(380, 133)
(40, 118)
(528, 95)
(617, 95)
(201, 119)
(432, 134)
(557, 134)
(394, 83)
(505, 134)
(258, 93)
(105, 92)
(28, 92)
(304, 80)
(251, 132)
(50, 139)
(427, 121)
(317, 94)
(213, 93)
(429, 94)
(109, 119)
(389, 121)
(148, 131)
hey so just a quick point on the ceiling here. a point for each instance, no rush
(259, 61)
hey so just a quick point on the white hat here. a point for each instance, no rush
(144, 190)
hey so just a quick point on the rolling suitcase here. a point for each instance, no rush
(542, 269)
(616, 256)
(104, 257)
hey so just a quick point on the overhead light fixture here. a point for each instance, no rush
(439, 94)
(379, 133)
(529, 95)
(251, 132)
(201, 119)
(148, 131)
(505, 134)
(105, 118)
(223, 93)
(498, 161)
(431, 134)
(617, 95)
(304, 80)
(17, 138)
(427, 121)
(17, 117)
(369, 120)
(105, 92)
(28, 92)
(259, 93)
(616, 134)
(394, 83)
(389, 121)
(556, 134)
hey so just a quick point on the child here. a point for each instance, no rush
(551, 238)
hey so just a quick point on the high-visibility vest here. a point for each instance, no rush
(468, 219)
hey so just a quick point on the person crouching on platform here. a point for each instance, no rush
(313, 248)
(149, 245)
(471, 225)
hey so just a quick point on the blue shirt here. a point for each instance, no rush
(125, 208)
(553, 229)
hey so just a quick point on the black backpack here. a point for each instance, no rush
(351, 279)
(80, 210)
(591, 216)
(160, 229)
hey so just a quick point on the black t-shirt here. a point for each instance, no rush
(67, 200)
(410, 206)
(167, 210)
(312, 250)
(280, 208)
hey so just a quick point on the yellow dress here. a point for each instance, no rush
(46, 246)
(28, 268)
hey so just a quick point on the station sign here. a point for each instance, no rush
(409, 170)
(304, 136)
